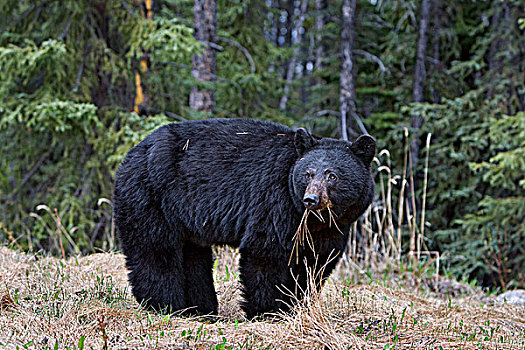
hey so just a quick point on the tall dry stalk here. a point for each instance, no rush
(59, 233)
(424, 199)
(377, 241)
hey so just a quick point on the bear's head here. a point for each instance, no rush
(333, 174)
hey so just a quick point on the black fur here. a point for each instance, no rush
(240, 182)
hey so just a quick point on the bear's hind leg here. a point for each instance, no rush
(200, 293)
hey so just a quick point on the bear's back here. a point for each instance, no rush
(221, 175)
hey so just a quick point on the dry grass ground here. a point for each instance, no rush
(84, 303)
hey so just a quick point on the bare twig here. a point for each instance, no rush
(212, 45)
(129, 9)
(359, 123)
(372, 58)
(31, 172)
(81, 65)
(169, 114)
(175, 64)
(22, 17)
(318, 114)
(243, 49)
(324, 112)
(66, 29)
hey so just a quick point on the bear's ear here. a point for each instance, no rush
(304, 141)
(364, 148)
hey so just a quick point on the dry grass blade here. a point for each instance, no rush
(301, 235)
(318, 215)
(331, 218)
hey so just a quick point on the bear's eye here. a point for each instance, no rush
(332, 177)
(307, 175)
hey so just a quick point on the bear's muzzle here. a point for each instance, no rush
(316, 195)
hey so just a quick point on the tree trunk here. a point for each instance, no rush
(293, 60)
(320, 6)
(347, 88)
(140, 105)
(203, 66)
(289, 25)
(436, 48)
(419, 77)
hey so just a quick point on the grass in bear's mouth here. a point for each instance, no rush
(331, 217)
(301, 235)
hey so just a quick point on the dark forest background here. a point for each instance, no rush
(82, 81)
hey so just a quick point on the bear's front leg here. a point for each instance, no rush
(267, 283)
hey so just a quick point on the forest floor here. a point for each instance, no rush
(85, 303)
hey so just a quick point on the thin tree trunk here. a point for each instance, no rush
(437, 49)
(274, 29)
(347, 88)
(203, 66)
(140, 105)
(320, 6)
(289, 25)
(419, 76)
(293, 60)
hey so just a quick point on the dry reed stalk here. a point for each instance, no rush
(59, 233)
(391, 231)
(112, 239)
(412, 223)
(424, 199)
(402, 192)
(10, 235)
(380, 239)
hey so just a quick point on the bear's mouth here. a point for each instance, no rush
(303, 234)
(326, 215)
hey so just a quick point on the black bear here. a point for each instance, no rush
(244, 183)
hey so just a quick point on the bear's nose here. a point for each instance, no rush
(311, 200)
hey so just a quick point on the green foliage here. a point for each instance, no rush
(483, 131)
(498, 224)
(64, 118)
(166, 39)
(68, 83)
